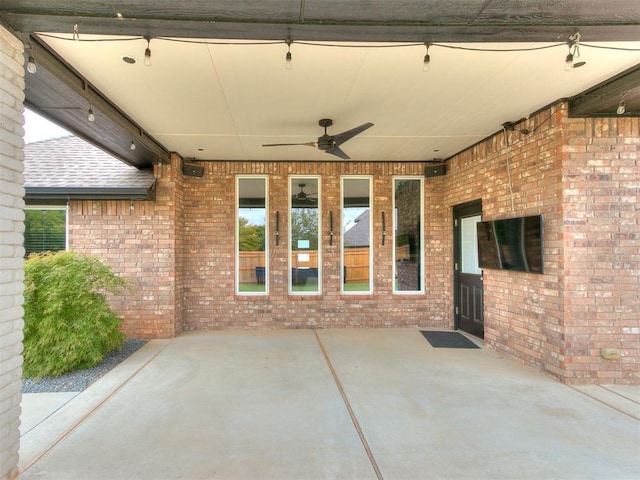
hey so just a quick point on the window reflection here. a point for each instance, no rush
(356, 235)
(304, 230)
(45, 229)
(408, 235)
(252, 271)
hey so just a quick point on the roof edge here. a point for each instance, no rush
(90, 193)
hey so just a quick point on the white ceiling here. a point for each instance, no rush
(223, 102)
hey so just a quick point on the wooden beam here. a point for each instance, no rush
(603, 99)
(61, 94)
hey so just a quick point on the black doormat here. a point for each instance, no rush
(448, 340)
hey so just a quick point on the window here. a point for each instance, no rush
(469, 245)
(304, 235)
(356, 235)
(408, 234)
(45, 229)
(252, 273)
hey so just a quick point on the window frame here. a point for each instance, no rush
(291, 191)
(371, 217)
(265, 178)
(421, 254)
(64, 208)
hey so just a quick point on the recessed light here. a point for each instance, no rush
(129, 59)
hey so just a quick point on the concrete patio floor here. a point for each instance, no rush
(352, 404)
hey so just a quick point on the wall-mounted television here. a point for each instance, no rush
(511, 244)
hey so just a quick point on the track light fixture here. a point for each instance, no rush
(288, 56)
(76, 32)
(133, 145)
(147, 52)
(31, 65)
(621, 107)
(574, 52)
(91, 117)
(426, 62)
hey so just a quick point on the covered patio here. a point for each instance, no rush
(517, 108)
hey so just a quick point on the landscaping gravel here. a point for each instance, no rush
(78, 380)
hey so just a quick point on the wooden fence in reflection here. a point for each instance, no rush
(356, 263)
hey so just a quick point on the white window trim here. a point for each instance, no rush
(291, 191)
(422, 244)
(266, 236)
(371, 219)
(66, 218)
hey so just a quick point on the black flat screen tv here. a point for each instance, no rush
(511, 244)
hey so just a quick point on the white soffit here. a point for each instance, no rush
(216, 101)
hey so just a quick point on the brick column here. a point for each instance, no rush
(601, 183)
(11, 249)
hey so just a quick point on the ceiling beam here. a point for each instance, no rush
(604, 99)
(328, 31)
(361, 26)
(59, 93)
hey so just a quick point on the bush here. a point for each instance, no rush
(68, 324)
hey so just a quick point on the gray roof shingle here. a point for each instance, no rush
(358, 234)
(69, 167)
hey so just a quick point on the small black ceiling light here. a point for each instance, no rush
(133, 145)
(426, 62)
(287, 63)
(147, 52)
(91, 116)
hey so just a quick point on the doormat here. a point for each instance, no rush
(448, 340)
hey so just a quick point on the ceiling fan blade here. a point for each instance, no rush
(340, 138)
(338, 153)
(308, 144)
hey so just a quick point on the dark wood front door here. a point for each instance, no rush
(468, 306)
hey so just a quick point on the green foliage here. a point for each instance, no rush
(251, 237)
(68, 324)
(304, 226)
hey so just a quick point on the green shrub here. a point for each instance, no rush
(68, 324)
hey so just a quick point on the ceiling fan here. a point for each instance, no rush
(304, 198)
(329, 143)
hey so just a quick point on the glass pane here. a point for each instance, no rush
(408, 235)
(305, 235)
(252, 272)
(469, 247)
(45, 230)
(356, 235)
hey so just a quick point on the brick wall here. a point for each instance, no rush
(209, 225)
(11, 250)
(583, 176)
(181, 266)
(601, 214)
(141, 241)
(517, 175)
